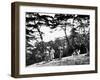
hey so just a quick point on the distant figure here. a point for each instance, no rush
(46, 55)
(38, 56)
(76, 52)
(52, 54)
(61, 52)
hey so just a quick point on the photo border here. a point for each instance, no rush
(15, 32)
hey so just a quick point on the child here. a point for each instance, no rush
(52, 54)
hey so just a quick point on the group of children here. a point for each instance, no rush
(49, 54)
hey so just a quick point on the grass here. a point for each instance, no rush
(81, 59)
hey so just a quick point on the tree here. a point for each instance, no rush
(61, 20)
(34, 22)
(83, 26)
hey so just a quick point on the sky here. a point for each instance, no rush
(52, 34)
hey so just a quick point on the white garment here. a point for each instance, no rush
(52, 54)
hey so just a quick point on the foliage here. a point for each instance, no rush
(35, 44)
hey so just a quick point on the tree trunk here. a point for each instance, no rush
(67, 41)
(40, 34)
(41, 37)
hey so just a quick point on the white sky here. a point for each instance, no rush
(52, 34)
(47, 14)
